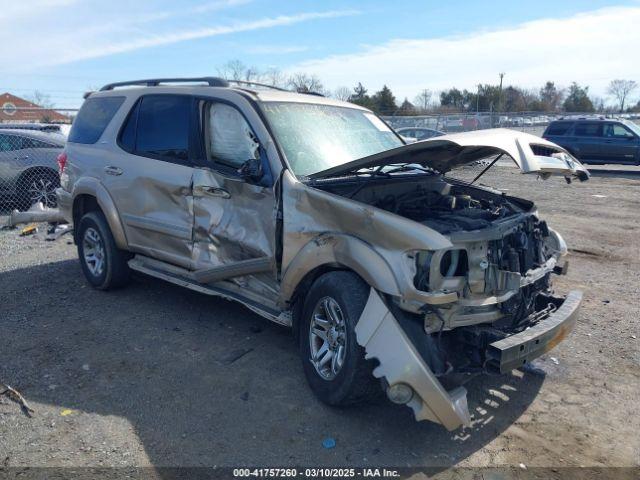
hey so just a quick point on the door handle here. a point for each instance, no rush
(23, 157)
(215, 191)
(110, 170)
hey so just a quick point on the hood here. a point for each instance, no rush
(530, 153)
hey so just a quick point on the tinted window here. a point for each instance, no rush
(128, 133)
(558, 128)
(163, 127)
(93, 118)
(32, 143)
(588, 129)
(9, 143)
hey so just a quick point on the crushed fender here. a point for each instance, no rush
(400, 363)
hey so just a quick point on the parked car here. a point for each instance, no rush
(597, 140)
(314, 213)
(41, 127)
(415, 134)
(28, 167)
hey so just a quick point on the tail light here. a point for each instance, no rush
(62, 162)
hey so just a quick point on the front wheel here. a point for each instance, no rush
(333, 362)
(104, 265)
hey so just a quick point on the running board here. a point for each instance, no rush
(185, 278)
(237, 269)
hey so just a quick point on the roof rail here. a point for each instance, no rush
(154, 82)
(248, 82)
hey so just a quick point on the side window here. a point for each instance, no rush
(9, 143)
(93, 118)
(128, 132)
(616, 130)
(162, 129)
(230, 138)
(32, 143)
(559, 128)
(588, 129)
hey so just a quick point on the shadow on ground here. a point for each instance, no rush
(204, 381)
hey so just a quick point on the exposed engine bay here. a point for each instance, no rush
(500, 265)
(446, 213)
(445, 205)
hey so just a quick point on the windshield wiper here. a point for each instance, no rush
(405, 167)
(377, 172)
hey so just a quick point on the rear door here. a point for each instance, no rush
(150, 178)
(620, 145)
(588, 140)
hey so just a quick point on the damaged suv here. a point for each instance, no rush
(316, 215)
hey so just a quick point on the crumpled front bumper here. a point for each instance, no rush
(516, 350)
(383, 338)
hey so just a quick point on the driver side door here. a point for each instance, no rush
(234, 216)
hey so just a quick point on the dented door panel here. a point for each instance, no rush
(233, 220)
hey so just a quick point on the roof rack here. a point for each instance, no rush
(248, 82)
(154, 82)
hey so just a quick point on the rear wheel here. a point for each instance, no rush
(38, 187)
(333, 362)
(104, 265)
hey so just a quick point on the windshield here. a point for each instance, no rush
(317, 137)
(633, 127)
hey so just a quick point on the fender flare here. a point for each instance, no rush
(342, 250)
(92, 186)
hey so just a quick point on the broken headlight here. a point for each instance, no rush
(423, 267)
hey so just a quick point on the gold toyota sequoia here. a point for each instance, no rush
(316, 215)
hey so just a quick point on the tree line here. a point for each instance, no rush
(487, 97)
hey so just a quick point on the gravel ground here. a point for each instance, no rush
(155, 375)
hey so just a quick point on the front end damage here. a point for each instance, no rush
(460, 275)
(418, 367)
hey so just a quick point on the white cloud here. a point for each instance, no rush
(100, 35)
(591, 48)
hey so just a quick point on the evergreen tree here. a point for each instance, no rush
(384, 102)
(578, 99)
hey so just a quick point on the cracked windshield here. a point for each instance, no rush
(318, 137)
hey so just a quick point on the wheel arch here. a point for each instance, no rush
(90, 195)
(332, 252)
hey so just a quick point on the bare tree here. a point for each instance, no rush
(342, 93)
(423, 99)
(620, 89)
(41, 99)
(303, 82)
(274, 77)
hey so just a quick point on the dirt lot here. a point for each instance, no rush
(154, 375)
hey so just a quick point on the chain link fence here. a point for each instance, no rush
(530, 122)
(28, 157)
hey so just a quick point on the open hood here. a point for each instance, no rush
(532, 154)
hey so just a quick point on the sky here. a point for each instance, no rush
(66, 47)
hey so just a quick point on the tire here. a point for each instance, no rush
(352, 380)
(109, 268)
(38, 186)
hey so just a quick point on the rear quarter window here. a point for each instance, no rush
(93, 118)
(558, 128)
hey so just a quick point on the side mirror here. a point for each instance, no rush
(251, 170)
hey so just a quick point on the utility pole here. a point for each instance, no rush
(500, 92)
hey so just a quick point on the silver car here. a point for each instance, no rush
(316, 215)
(28, 166)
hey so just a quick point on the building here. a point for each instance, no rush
(19, 110)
